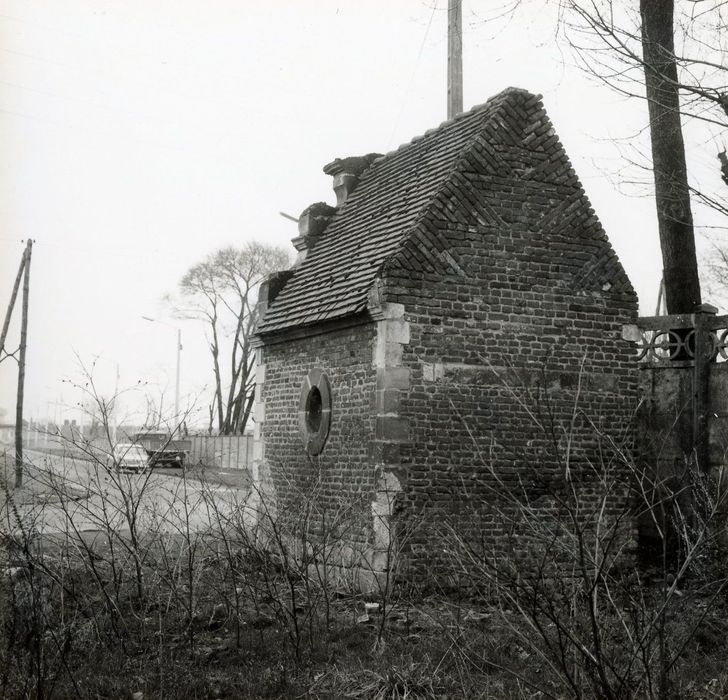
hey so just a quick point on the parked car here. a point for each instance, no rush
(127, 455)
(163, 449)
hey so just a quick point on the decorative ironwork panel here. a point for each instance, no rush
(672, 339)
(721, 345)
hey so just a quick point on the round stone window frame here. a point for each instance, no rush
(314, 427)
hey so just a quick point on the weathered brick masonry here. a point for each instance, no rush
(477, 368)
(488, 345)
(346, 356)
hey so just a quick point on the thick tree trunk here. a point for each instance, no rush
(672, 196)
(215, 348)
(248, 409)
(235, 370)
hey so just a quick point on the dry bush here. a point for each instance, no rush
(183, 592)
(564, 582)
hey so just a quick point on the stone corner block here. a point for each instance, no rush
(259, 374)
(393, 311)
(393, 378)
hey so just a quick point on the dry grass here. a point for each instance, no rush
(95, 639)
(213, 613)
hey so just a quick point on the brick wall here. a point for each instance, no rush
(509, 361)
(446, 410)
(486, 410)
(341, 477)
(495, 367)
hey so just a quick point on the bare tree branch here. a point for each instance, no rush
(221, 291)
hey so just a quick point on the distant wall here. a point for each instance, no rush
(683, 416)
(226, 452)
(718, 418)
(666, 414)
(682, 402)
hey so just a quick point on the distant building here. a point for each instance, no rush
(7, 432)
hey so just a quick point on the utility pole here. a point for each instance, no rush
(454, 58)
(11, 305)
(21, 369)
(115, 408)
(176, 379)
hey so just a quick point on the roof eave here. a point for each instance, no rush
(309, 330)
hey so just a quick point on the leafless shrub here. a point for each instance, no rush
(563, 580)
(557, 610)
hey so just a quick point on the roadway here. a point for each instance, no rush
(63, 495)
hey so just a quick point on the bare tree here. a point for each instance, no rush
(718, 262)
(221, 291)
(672, 195)
(670, 54)
(718, 270)
(616, 44)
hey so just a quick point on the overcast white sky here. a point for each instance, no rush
(138, 136)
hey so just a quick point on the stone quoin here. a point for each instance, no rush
(460, 280)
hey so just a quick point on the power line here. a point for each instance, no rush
(412, 76)
(75, 36)
(60, 97)
(132, 251)
(115, 135)
(156, 87)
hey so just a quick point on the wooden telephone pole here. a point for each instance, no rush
(24, 273)
(9, 312)
(21, 370)
(454, 58)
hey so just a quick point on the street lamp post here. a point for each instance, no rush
(176, 379)
(179, 349)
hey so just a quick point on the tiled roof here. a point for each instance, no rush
(399, 189)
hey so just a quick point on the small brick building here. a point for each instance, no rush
(458, 281)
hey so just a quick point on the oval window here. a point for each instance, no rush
(314, 411)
